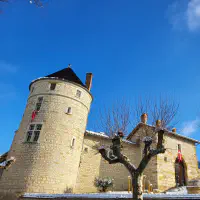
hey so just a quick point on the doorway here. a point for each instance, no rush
(180, 173)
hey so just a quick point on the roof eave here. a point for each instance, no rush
(169, 132)
(59, 79)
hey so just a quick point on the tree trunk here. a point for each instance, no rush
(137, 186)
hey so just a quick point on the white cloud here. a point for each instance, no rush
(7, 67)
(190, 127)
(193, 15)
(185, 14)
(175, 14)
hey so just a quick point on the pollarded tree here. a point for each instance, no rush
(114, 155)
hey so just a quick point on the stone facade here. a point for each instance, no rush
(65, 157)
(166, 162)
(160, 171)
(51, 164)
(93, 165)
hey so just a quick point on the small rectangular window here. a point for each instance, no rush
(73, 142)
(29, 135)
(36, 136)
(39, 103)
(40, 99)
(53, 86)
(78, 93)
(179, 147)
(38, 126)
(69, 111)
(31, 127)
(33, 132)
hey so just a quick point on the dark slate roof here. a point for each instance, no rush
(67, 74)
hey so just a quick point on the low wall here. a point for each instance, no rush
(102, 196)
(109, 196)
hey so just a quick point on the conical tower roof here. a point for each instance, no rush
(67, 74)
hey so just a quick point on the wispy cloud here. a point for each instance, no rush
(7, 67)
(190, 127)
(185, 14)
(193, 15)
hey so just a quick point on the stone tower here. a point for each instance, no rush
(48, 143)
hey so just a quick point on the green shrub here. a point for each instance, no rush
(103, 183)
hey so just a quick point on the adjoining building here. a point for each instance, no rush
(55, 154)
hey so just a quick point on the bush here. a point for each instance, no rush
(103, 183)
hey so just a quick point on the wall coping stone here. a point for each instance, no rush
(109, 196)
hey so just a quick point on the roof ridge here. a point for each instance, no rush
(170, 132)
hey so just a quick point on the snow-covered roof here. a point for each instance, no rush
(113, 195)
(3, 157)
(166, 131)
(103, 135)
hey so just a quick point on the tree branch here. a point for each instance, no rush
(104, 153)
(145, 160)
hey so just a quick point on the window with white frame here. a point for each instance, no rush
(39, 103)
(52, 86)
(33, 132)
(73, 142)
(78, 93)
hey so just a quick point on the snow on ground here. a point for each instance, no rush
(113, 195)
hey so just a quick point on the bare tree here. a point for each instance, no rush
(116, 118)
(163, 108)
(114, 155)
(122, 117)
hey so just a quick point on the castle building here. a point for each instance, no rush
(55, 154)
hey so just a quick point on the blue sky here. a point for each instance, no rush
(133, 48)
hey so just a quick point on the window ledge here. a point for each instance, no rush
(30, 142)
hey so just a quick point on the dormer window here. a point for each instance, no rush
(78, 93)
(52, 86)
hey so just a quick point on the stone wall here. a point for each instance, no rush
(161, 169)
(150, 171)
(51, 164)
(93, 165)
(166, 162)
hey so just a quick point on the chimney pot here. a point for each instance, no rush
(174, 130)
(88, 81)
(144, 118)
(158, 123)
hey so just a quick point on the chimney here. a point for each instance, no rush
(174, 130)
(88, 81)
(144, 118)
(158, 123)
